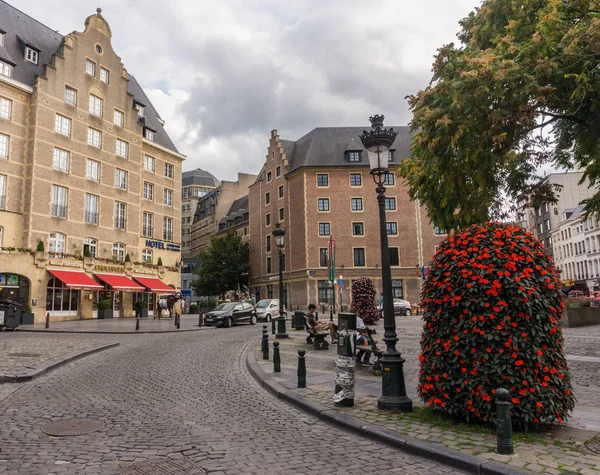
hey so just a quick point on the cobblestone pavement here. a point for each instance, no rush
(188, 396)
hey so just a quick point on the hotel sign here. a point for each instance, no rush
(168, 246)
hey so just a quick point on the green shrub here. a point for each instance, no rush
(578, 302)
(492, 308)
(141, 304)
(86, 252)
(159, 262)
(104, 305)
(127, 258)
(40, 246)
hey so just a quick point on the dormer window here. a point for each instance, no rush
(149, 134)
(354, 156)
(31, 55)
(140, 110)
(390, 155)
(5, 69)
(1, 38)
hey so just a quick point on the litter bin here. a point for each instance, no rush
(10, 314)
(299, 319)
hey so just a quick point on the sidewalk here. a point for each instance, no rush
(118, 325)
(561, 450)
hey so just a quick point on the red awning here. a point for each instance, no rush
(120, 282)
(75, 279)
(156, 286)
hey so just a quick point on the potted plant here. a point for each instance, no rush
(105, 309)
(141, 309)
(193, 308)
(40, 251)
(27, 317)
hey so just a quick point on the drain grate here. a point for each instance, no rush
(594, 444)
(166, 466)
(71, 427)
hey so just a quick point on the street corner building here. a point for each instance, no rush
(86, 170)
(320, 188)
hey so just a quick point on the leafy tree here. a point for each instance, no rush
(225, 266)
(521, 91)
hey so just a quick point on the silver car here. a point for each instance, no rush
(401, 307)
(267, 309)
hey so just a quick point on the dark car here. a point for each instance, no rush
(231, 313)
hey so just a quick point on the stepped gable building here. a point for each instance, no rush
(320, 187)
(87, 171)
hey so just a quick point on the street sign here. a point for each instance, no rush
(186, 292)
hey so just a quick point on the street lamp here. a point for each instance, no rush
(279, 234)
(378, 141)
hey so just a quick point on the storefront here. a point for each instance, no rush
(14, 287)
(118, 290)
(65, 291)
(153, 288)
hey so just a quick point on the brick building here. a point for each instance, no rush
(87, 168)
(237, 219)
(320, 186)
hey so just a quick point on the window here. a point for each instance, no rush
(390, 155)
(147, 224)
(268, 243)
(70, 96)
(119, 118)
(389, 179)
(63, 125)
(438, 231)
(91, 209)
(324, 229)
(397, 289)
(146, 255)
(281, 191)
(323, 257)
(31, 55)
(2, 193)
(121, 179)
(168, 197)
(354, 156)
(5, 108)
(278, 171)
(322, 179)
(122, 148)
(359, 257)
(59, 201)
(169, 170)
(392, 227)
(267, 198)
(325, 291)
(94, 137)
(104, 74)
(268, 265)
(358, 229)
(281, 214)
(167, 228)
(3, 146)
(61, 160)
(269, 176)
(545, 207)
(547, 225)
(120, 215)
(57, 243)
(95, 106)
(5, 69)
(394, 256)
(149, 163)
(268, 220)
(390, 203)
(91, 245)
(149, 135)
(355, 179)
(323, 204)
(92, 170)
(90, 67)
(59, 298)
(1, 44)
(357, 204)
(119, 251)
(140, 109)
(148, 191)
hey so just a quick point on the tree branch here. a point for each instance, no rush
(567, 117)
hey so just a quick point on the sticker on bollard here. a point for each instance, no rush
(346, 349)
(301, 369)
(503, 423)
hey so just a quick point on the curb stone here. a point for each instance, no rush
(45, 368)
(106, 332)
(437, 453)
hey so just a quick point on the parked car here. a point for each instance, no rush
(231, 313)
(401, 307)
(267, 309)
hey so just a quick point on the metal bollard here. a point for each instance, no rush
(265, 343)
(137, 323)
(178, 321)
(301, 369)
(48, 320)
(503, 423)
(200, 319)
(273, 326)
(276, 358)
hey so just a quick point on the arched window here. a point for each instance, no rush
(119, 250)
(92, 246)
(57, 242)
(146, 255)
(61, 299)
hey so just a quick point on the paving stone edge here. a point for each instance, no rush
(438, 453)
(45, 368)
(106, 332)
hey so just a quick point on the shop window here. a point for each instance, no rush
(59, 298)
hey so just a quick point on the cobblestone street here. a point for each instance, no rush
(188, 396)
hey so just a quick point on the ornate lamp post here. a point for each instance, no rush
(378, 141)
(279, 234)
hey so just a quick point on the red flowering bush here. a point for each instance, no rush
(363, 300)
(492, 305)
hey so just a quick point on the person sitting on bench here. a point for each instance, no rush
(363, 339)
(318, 326)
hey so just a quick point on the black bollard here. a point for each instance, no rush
(178, 320)
(273, 326)
(301, 369)
(48, 320)
(200, 319)
(137, 323)
(265, 343)
(276, 358)
(503, 423)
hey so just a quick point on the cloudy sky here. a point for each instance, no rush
(224, 73)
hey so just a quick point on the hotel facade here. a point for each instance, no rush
(86, 170)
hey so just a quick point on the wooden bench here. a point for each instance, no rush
(315, 338)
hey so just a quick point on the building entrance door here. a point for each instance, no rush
(116, 304)
(95, 298)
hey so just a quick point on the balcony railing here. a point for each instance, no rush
(120, 222)
(91, 217)
(60, 211)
